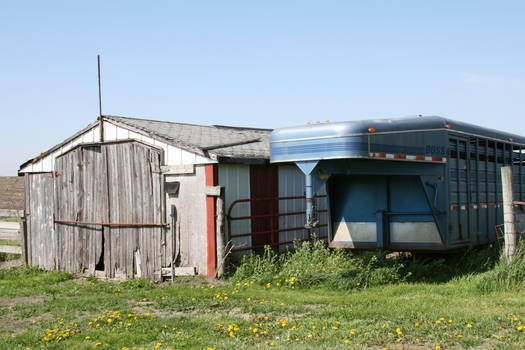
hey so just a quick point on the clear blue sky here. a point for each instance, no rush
(263, 64)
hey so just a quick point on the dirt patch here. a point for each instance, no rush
(16, 300)
(198, 281)
(162, 314)
(15, 326)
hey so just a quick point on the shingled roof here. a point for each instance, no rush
(216, 141)
(12, 192)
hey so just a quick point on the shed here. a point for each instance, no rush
(129, 197)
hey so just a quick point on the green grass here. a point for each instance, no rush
(54, 310)
(8, 242)
(11, 219)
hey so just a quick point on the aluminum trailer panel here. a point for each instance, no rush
(416, 183)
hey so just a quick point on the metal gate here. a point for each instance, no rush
(272, 215)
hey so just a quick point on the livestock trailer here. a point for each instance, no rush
(414, 183)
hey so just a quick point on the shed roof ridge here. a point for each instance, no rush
(214, 126)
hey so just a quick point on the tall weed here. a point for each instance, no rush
(313, 264)
(505, 275)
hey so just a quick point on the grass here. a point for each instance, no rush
(11, 219)
(55, 310)
(9, 256)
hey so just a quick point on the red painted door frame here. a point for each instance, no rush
(212, 179)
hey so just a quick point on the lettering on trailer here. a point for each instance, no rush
(436, 150)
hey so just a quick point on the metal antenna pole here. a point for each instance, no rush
(101, 122)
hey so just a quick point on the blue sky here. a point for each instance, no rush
(262, 64)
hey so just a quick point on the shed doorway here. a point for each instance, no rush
(109, 210)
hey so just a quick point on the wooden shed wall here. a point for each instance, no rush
(40, 237)
(117, 183)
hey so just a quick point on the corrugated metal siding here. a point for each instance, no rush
(236, 181)
(291, 184)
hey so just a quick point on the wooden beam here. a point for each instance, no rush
(214, 191)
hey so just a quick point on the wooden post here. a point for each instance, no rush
(23, 243)
(508, 212)
(220, 235)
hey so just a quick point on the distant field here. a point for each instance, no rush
(57, 311)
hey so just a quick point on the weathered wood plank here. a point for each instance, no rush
(39, 243)
(11, 213)
(10, 236)
(11, 249)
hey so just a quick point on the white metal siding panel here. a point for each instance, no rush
(122, 133)
(173, 155)
(47, 163)
(110, 131)
(291, 184)
(236, 181)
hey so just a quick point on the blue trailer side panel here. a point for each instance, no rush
(410, 183)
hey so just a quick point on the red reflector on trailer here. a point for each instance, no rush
(400, 156)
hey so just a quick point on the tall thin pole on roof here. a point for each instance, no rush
(101, 122)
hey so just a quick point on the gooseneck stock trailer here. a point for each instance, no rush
(415, 183)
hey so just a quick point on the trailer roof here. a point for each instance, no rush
(412, 123)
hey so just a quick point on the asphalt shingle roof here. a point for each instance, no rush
(221, 142)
